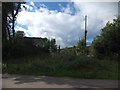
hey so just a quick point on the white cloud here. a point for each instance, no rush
(93, 0)
(64, 27)
(32, 3)
(98, 14)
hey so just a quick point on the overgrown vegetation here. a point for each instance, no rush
(108, 43)
(99, 60)
(63, 65)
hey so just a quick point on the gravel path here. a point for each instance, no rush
(25, 81)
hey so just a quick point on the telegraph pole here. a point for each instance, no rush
(85, 29)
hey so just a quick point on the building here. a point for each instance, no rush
(36, 41)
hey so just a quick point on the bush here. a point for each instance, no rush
(108, 43)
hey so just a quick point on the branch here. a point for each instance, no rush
(17, 10)
(9, 17)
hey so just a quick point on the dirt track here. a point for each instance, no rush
(24, 81)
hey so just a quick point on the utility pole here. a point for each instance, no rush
(59, 48)
(85, 29)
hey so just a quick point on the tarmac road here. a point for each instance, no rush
(26, 81)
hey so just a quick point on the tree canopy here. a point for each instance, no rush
(108, 43)
(19, 34)
(9, 14)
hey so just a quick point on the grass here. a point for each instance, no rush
(69, 66)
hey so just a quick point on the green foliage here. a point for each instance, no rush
(26, 46)
(53, 46)
(108, 43)
(65, 54)
(81, 47)
(79, 66)
(19, 34)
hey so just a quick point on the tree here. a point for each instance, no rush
(16, 7)
(19, 37)
(81, 46)
(108, 43)
(19, 34)
(53, 46)
(5, 10)
(9, 14)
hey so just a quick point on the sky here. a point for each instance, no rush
(64, 21)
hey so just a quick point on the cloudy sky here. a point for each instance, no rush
(64, 21)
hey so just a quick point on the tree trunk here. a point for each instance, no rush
(4, 23)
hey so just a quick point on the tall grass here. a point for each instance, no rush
(63, 64)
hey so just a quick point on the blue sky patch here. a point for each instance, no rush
(59, 6)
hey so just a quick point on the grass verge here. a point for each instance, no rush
(77, 67)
